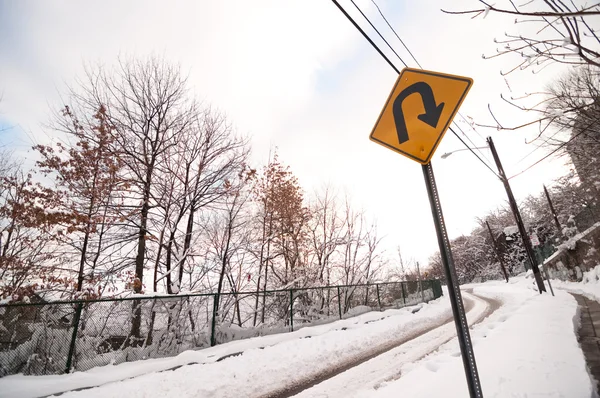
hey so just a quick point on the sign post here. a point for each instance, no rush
(414, 127)
(458, 309)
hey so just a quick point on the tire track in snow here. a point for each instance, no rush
(383, 362)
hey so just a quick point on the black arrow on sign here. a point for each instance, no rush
(432, 111)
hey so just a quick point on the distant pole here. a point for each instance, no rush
(420, 283)
(497, 252)
(548, 279)
(515, 210)
(554, 215)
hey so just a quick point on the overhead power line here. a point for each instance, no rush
(393, 30)
(459, 114)
(380, 35)
(366, 36)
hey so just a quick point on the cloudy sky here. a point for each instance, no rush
(296, 75)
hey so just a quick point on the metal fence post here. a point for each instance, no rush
(339, 302)
(378, 297)
(73, 337)
(292, 308)
(214, 321)
(437, 289)
(425, 286)
(403, 292)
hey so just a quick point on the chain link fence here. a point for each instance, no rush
(53, 338)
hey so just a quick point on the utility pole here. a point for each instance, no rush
(515, 210)
(497, 252)
(552, 210)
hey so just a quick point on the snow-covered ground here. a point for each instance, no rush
(378, 371)
(526, 348)
(589, 285)
(292, 351)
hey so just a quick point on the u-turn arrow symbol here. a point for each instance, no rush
(432, 111)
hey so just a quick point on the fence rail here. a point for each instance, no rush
(52, 338)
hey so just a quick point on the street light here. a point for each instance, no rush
(516, 214)
(445, 155)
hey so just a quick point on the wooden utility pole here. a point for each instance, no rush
(518, 219)
(497, 252)
(554, 215)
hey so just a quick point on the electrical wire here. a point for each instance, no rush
(393, 30)
(380, 35)
(473, 152)
(395, 68)
(365, 35)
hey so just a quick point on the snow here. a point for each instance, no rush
(513, 229)
(570, 244)
(588, 287)
(378, 371)
(327, 344)
(486, 11)
(526, 348)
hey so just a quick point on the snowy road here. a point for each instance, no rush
(527, 346)
(292, 365)
(385, 367)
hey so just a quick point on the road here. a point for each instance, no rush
(383, 363)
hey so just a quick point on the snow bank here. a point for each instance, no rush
(588, 287)
(278, 358)
(511, 230)
(527, 348)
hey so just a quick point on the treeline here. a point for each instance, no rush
(570, 127)
(475, 254)
(147, 190)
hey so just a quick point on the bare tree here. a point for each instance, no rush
(360, 252)
(326, 229)
(227, 236)
(559, 32)
(147, 106)
(548, 32)
(217, 155)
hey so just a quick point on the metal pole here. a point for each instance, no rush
(460, 317)
(292, 308)
(518, 219)
(554, 215)
(420, 283)
(74, 337)
(378, 297)
(213, 341)
(548, 279)
(339, 302)
(497, 252)
(403, 292)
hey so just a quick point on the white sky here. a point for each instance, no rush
(296, 75)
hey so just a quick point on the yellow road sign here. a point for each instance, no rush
(414, 125)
